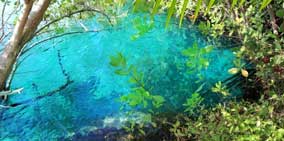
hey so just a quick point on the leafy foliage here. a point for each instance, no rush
(193, 102)
(140, 96)
(197, 57)
(235, 121)
(142, 26)
(219, 88)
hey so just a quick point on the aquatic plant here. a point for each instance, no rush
(140, 96)
(196, 57)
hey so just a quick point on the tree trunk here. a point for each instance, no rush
(23, 32)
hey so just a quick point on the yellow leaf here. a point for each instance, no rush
(245, 73)
(233, 70)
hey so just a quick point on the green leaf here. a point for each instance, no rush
(281, 27)
(210, 4)
(132, 80)
(139, 6)
(121, 72)
(200, 88)
(241, 3)
(183, 9)
(118, 60)
(170, 12)
(197, 9)
(234, 3)
(280, 13)
(264, 4)
(156, 8)
(158, 99)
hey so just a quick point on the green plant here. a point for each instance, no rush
(193, 102)
(221, 89)
(196, 57)
(140, 96)
(143, 26)
(237, 121)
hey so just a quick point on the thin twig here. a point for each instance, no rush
(71, 14)
(60, 35)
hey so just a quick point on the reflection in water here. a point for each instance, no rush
(70, 89)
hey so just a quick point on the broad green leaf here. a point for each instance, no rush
(280, 13)
(183, 9)
(281, 27)
(170, 12)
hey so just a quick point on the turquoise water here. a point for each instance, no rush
(88, 101)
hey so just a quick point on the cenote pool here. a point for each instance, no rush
(70, 88)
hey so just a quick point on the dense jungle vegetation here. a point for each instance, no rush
(255, 28)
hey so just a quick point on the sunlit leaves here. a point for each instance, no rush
(197, 9)
(143, 26)
(182, 13)
(156, 8)
(157, 101)
(234, 3)
(221, 89)
(141, 5)
(210, 4)
(139, 95)
(265, 3)
(233, 70)
(204, 27)
(196, 57)
(244, 73)
(171, 11)
(118, 60)
(193, 102)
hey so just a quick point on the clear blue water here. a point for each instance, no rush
(90, 101)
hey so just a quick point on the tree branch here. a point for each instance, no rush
(61, 35)
(71, 14)
(2, 21)
(272, 20)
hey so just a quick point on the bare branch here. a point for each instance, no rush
(71, 14)
(61, 35)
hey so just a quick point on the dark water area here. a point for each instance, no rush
(71, 90)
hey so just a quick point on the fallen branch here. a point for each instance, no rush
(2, 106)
(11, 92)
(68, 82)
